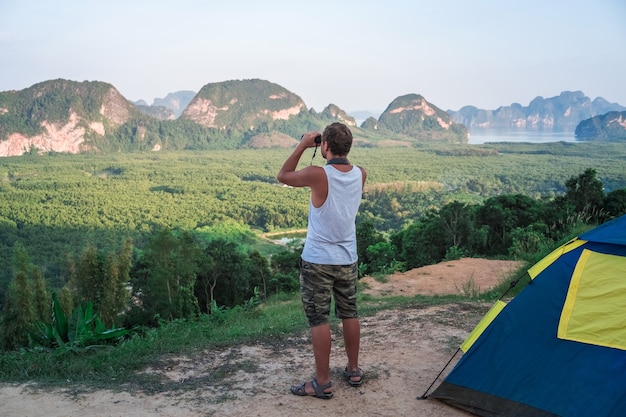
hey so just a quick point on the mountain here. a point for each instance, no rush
(74, 117)
(334, 112)
(361, 115)
(242, 105)
(607, 127)
(563, 112)
(168, 108)
(415, 117)
(158, 112)
(61, 116)
(177, 102)
(92, 116)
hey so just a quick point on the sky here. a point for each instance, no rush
(359, 55)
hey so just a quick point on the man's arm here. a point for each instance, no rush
(306, 177)
(311, 176)
(364, 175)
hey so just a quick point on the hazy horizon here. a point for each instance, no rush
(356, 55)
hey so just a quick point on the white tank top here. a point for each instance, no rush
(331, 232)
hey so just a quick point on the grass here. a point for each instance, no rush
(99, 367)
(271, 322)
(469, 288)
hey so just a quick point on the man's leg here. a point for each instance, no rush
(345, 306)
(321, 339)
(316, 299)
(352, 341)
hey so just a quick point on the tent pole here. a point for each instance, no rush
(514, 283)
(424, 396)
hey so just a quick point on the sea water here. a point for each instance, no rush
(480, 136)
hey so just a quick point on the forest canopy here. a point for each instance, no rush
(135, 221)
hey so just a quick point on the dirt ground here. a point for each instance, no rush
(402, 353)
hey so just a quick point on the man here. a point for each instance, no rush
(329, 260)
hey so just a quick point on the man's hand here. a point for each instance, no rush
(308, 139)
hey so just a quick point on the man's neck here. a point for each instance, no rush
(338, 161)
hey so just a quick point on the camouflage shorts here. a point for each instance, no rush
(317, 284)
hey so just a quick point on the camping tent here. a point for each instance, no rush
(559, 347)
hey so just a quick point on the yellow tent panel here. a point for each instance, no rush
(482, 325)
(595, 306)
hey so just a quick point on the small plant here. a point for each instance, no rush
(82, 331)
(362, 269)
(254, 301)
(393, 267)
(454, 253)
(380, 277)
(469, 288)
(218, 313)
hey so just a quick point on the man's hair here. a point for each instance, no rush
(339, 138)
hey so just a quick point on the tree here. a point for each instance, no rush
(101, 278)
(614, 203)
(159, 293)
(585, 193)
(285, 270)
(41, 297)
(366, 236)
(501, 215)
(457, 221)
(227, 277)
(86, 281)
(205, 284)
(115, 295)
(27, 302)
(530, 240)
(382, 255)
(421, 243)
(18, 317)
(261, 271)
(164, 277)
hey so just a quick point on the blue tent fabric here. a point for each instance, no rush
(612, 232)
(518, 366)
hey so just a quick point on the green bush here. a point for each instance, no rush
(82, 331)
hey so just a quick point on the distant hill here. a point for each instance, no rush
(242, 105)
(168, 108)
(606, 127)
(92, 116)
(361, 115)
(158, 112)
(413, 116)
(177, 102)
(334, 112)
(563, 112)
(61, 116)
